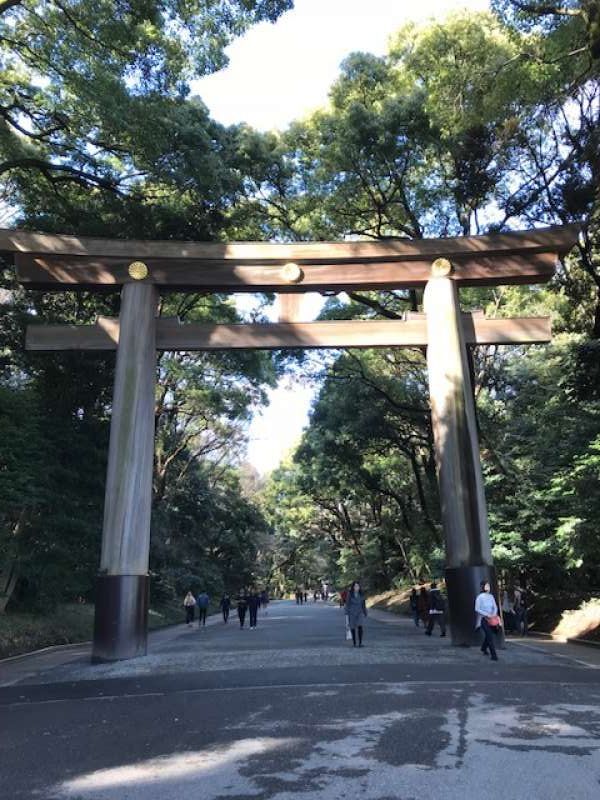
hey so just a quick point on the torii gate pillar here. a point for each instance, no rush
(463, 508)
(120, 629)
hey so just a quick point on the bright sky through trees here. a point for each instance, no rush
(281, 72)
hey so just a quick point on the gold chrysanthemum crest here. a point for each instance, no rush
(137, 270)
(441, 267)
(291, 273)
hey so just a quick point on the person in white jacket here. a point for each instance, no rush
(486, 609)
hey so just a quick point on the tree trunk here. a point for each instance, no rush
(9, 575)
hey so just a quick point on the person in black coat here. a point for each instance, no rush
(242, 606)
(437, 610)
(225, 606)
(253, 606)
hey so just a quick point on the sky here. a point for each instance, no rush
(281, 72)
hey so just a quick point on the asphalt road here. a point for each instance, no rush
(290, 711)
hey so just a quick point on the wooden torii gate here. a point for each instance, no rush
(142, 269)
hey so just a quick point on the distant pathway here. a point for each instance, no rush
(290, 711)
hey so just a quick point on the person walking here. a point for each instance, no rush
(225, 605)
(189, 603)
(520, 607)
(253, 605)
(264, 601)
(487, 619)
(343, 597)
(242, 606)
(414, 606)
(202, 602)
(356, 611)
(508, 614)
(437, 610)
(423, 604)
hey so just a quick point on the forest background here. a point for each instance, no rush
(481, 122)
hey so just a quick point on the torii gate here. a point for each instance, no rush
(141, 269)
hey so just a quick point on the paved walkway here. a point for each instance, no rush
(291, 712)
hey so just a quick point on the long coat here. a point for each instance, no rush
(356, 609)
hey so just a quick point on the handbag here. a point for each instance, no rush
(494, 622)
(348, 634)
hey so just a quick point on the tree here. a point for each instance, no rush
(81, 80)
(479, 123)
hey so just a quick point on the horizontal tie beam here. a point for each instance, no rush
(174, 335)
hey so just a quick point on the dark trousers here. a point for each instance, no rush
(225, 614)
(189, 614)
(201, 616)
(488, 638)
(521, 621)
(415, 613)
(253, 615)
(242, 615)
(360, 635)
(441, 621)
(509, 621)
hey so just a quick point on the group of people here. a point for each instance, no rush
(247, 602)
(514, 611)
(301, 596)
(429, 607)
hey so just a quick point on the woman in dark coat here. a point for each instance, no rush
(356, 611)
(225, 606)
(242, 606)
(253, 606)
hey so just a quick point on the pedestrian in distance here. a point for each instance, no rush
(242, 607)
(189, 603)
(437, 610)
(487, 619)
(253, 604)
(343, 597)
(202, 602)
(305, 596)
(264, 601)
(414, 606)
(508, 614)
(356, 611)
(520, 608)
(298, 600)
(225, 605)
(423, 604)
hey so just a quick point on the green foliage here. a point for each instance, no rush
(80, 81)
(542, 482)
(479, 122)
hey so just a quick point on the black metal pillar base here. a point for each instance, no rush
(463, 586)
(121, 617)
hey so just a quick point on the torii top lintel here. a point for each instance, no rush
(60, 262)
